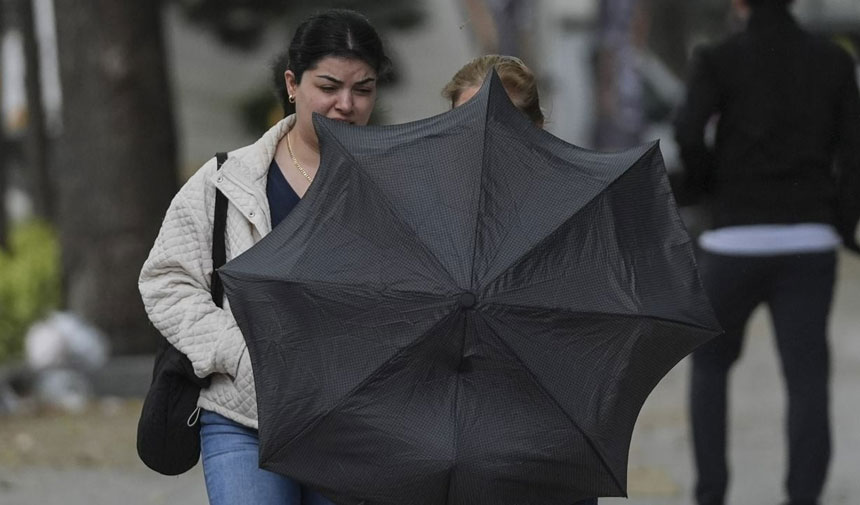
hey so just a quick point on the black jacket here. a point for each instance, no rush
(787, 146)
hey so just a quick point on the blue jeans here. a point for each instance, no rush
(230, 454)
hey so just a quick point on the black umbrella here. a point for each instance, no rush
(466, 310)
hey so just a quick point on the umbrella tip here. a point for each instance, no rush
(467, 300)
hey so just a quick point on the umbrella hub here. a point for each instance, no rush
(467, 300)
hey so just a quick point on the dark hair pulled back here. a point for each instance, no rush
(337, 32)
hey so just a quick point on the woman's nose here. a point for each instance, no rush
(344, 101)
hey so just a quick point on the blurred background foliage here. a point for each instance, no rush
(242, 23)
(29, 282)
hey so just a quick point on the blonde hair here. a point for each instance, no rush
(517, 78)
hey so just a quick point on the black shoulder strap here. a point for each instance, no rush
(219, 252)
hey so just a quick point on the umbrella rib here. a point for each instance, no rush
(525, 255)
(480, 200)
(315, 282)
(540, 387)
(381, 197)
(602, 315)
(456, 444)
(418, 340)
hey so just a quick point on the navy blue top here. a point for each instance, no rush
(282, 197)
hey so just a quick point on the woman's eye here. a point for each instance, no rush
(328, 89)
(364, 91)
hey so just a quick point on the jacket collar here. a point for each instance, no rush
(247, 167)
(242, 178)
(766, 19)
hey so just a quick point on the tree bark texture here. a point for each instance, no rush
(4, 158)
(116, 163)
(36, 177)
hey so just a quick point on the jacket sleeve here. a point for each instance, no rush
(700, 104)
(174, 285)
(848, 157)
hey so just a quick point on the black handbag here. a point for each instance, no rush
(168, 434)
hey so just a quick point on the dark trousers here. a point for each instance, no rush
(798, 290)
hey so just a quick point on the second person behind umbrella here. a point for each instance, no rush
(519, 81)
(522, 88)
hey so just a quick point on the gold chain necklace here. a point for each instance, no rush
(296, 162)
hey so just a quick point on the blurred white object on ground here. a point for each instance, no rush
(64, 340)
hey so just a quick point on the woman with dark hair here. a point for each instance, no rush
(332, 68)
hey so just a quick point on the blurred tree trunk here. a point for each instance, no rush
(36, 140)
(116, 159)
(4, 220)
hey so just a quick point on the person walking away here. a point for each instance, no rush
(782, 189)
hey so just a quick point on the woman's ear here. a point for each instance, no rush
(291, 83)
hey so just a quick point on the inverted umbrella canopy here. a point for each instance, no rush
(466, 310)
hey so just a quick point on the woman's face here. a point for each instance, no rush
(337, 88)
(466, 94)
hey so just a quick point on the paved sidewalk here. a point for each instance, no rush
(78, 460)
(660, 458)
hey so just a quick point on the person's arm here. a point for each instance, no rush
(699, 106)
(174, 285)
(483, 25)
(848, 157)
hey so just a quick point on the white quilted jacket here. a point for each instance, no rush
(174, 282)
